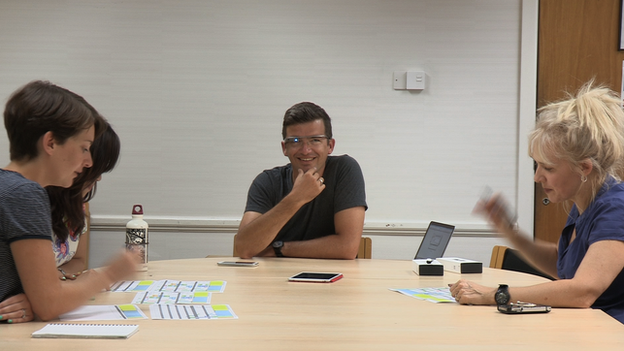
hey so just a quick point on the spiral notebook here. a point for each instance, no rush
(86, 331)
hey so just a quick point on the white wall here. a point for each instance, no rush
(196, 90)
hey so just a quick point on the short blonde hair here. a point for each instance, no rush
(589, 125)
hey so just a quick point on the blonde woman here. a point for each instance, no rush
(578, 146)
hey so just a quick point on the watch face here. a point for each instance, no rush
(501, 296)
(278, 244)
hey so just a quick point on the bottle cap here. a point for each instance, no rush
(137, 210)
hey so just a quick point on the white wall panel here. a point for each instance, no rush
(197, 89)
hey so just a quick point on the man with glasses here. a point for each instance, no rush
(312, 207)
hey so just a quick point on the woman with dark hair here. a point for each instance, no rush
(50, 130)
(69, 223)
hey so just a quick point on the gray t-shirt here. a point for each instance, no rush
(344, 188)
(24, 214)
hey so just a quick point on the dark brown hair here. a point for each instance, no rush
(67, 204)
(40, 107)
(305, 112)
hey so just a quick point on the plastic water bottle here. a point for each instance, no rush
(137, 237)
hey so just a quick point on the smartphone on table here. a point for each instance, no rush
(238, 263)
(315, 277)
(523, 307)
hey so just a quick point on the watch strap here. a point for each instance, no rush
(277, 248)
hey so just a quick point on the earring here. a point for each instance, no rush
(583, 178)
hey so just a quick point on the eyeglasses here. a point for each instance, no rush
(312, 141)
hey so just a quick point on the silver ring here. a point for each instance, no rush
(321, 180)
(24, 313)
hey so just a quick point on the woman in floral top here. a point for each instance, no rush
(69, 222)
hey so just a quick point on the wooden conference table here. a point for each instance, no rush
(357, 312)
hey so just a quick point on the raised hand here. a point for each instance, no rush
(308, 185)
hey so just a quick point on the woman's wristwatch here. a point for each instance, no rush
(502, 296)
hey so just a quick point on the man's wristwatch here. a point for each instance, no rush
(277, 247)
(502, 296)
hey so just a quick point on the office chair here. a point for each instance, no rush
(504, 257)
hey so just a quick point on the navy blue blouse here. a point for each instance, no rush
(603, 220)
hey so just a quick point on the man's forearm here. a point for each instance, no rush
(344, 244)
(255, 234)
(331, 247)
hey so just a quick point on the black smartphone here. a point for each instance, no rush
(523, 307)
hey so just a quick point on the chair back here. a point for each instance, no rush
(504, 257)
(366, 248)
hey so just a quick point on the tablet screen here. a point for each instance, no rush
(435, 241)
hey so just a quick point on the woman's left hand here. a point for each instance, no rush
(469, 293)
(16, 309)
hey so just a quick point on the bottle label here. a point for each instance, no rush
(136, 240)
(136, 236)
